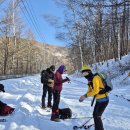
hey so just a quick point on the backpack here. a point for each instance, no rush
(65, 113)
(43, 73)
(106, 83)
(6, 110)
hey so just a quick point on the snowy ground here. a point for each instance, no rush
(25, 95)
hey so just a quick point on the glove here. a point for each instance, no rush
(82, 98)
(67, 79)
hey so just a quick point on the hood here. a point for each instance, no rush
(61, 69)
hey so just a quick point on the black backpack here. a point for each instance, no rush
(65, 113)
(43, 73)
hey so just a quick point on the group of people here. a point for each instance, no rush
(52, 82)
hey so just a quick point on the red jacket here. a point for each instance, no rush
(58, 81)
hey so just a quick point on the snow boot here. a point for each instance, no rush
(55, 117)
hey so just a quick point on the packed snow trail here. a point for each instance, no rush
(25, 95)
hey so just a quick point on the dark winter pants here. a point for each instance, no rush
(45, 90)
(56, 101)
(97, 113)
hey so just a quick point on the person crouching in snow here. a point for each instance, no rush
(95, 84)
(57, 88)
(5, 110)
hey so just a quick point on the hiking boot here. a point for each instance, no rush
(55, 117)
(43, 107)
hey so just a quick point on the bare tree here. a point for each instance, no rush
(104, 29)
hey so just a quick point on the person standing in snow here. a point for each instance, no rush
(57, 88)
(48, 82)
(95, 85)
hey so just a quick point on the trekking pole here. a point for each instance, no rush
(89, 126)
(80, 127)
(93, 100)
(82, 117)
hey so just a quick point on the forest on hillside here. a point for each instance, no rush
(95, 30)
(20, 53)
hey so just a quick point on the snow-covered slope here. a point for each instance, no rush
(25, 95)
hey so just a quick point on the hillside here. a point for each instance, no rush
(29, 56)
(61, 54)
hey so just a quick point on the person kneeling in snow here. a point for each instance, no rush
(57, 88)
(4, 108)
(95, 85)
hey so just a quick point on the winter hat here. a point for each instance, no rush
(52, 68)
(85, 68)
(61, 69)
(2, 88)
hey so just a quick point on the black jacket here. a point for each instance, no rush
(45, 75)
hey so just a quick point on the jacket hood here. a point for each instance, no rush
(61, 69)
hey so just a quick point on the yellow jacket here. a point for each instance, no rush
(97, 86)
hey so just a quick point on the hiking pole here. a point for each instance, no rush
(93, 100)
(82, 126)
(82, 117)
(89, 126)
